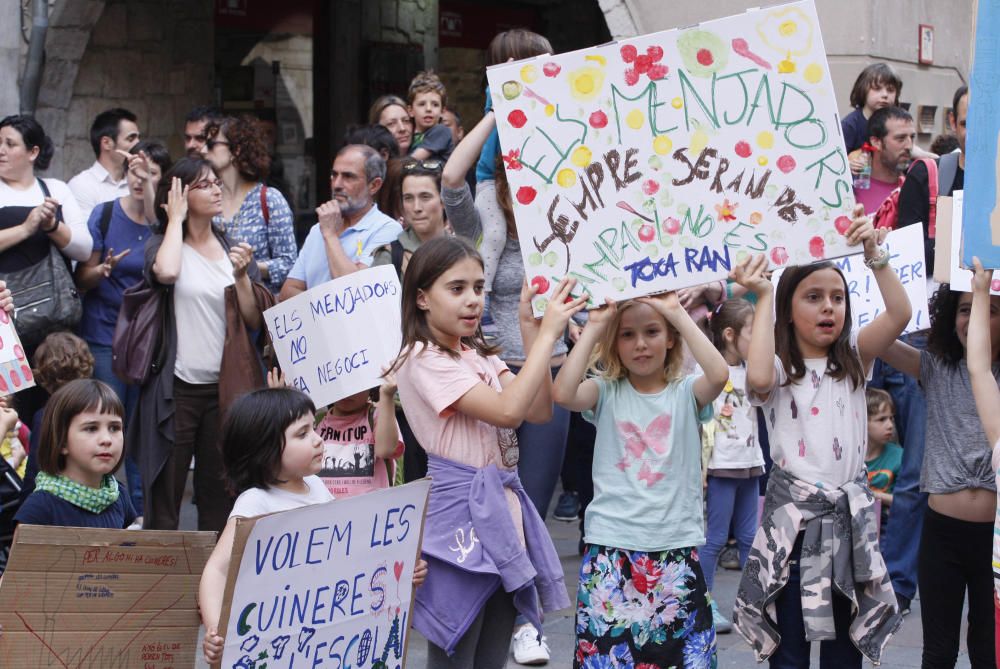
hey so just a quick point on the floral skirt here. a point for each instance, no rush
(643, 611)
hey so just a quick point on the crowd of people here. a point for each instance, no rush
(666, 417)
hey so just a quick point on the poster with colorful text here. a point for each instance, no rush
(333, 340)
(328, 584)
(658, 162)
(981, 219)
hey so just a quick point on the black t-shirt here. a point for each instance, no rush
(855, 128)
(437, 140)
(42, 508)
(915, 204)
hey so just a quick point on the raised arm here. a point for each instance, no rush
(386, 428)
(466, 154)
(760, 363)
(167, 266)
(571, 390)
(979, 352)
(876, 337)
(715, 371)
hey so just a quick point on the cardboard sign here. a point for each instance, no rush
(15, 370)
(328, 583)
(981, 220)
(906, 257)
(960, 271)
(659, 162)
(102, 599)
(333, 340)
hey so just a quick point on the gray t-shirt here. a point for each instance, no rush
(956, 452)
(506, 296)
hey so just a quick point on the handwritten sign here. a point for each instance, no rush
(15, 370)
(325, 583)
(102, 599)
(906, 257)
(660, 161)
(981, 220)
(960, 275)
(333, 340)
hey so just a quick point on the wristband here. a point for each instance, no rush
(879, 261)
(729, 290)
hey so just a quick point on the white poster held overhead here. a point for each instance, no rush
(960, 277)
(906, 257)
(333, 340)
(660, 161)
(15, 370)
(325, 585)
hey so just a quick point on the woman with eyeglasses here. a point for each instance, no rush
(390, 111)
(212, 333)
(423, 212)
(252, 212)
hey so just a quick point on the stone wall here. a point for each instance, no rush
(404, 22)
(154, 58)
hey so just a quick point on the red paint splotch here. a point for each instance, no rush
(705, 57)
(786, 164)
(671, 226)
(526, 194)
(517, 118)
(817, 247)
(842, 223)
(647, 233)
(743, 149)
(629, 53)
(541, 284)
(779, 256)
(649, 187)
(551, 69)
(598, 119)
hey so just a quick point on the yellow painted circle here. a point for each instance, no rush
(581, 156)
(787, 28)
(635, 119)
(662, 145)
(765, 139)
(584, 84)
(529, 73)
(699, 140)
(762, 160)
(566, 177)
(813, 73)
(677, 103)
(550, 110)
(786, 66)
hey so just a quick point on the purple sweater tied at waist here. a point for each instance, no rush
(472, 547)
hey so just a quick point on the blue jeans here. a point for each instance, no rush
(901, 541)
(129, 396)
(793, 651)
(729, 500)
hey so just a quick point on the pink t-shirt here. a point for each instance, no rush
(430, 382)
(349, 463)
(873, 196)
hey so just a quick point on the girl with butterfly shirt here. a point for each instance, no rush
(642, 596)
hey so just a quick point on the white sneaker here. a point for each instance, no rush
(527, 648)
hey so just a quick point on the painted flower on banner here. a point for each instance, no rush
(726, 210)
(703, 53)
(513, 159)
(647, 63)
(586, 83)
(788, 32)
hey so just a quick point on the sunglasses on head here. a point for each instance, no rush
(428, 165)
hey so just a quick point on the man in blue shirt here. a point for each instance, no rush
(350, 228)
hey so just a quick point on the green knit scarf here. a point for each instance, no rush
(95, 500)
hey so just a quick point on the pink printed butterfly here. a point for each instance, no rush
(647, 474)
(654, 437)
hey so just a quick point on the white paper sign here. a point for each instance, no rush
(961, 278)
(906, 257)
(328, 584)
(658, 162)
(333, 340)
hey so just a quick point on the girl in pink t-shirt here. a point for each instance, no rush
(464, 406)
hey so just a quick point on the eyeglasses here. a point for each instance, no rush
(206, 184)
(428, 165)
(212, 143)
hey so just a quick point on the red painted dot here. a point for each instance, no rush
(598, 119)
(642, 63)
(631, 76)
(671, 226)
(779, 256)
(629, 53)
(541, 284)
(705, 57)
(526, 194)
(743, 149)
(658, 71)
(841, 224)
(649, 187)
(27, 372)
(654, 52)
(647, 233)
(786, 164)
(551, 69)
(517, 118)
(995, 285)
(817, 248)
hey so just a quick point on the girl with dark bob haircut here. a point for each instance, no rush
(253, 435)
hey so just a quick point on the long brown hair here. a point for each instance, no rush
(427, 264)
(842, 361)
(503, 198)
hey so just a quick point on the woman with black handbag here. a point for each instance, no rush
(41, 226)
(213, 332)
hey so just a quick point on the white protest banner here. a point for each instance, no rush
(658, 162)
(102, 599)
(333, 340)
(960, 277)
(328, 583)
(906, 257)
(15, 371)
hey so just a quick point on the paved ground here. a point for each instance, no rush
(903, 651)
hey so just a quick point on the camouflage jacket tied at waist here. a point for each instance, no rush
(839, 550)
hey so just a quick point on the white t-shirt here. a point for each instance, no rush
(258, 501)
(81, 242)
(818, 426)
(736, 445)
(200, 307)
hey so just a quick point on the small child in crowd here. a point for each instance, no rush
(735, 461)
(13, 439)
(642, 598)
(359, 436)
(807, 370)
(876, 87)
(884, 456)
(427, 98)
(272, 455)
(80, 448)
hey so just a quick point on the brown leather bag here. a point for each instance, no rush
(137, 348)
